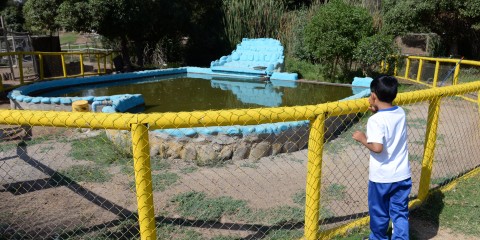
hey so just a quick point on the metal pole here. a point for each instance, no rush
(407, 68)
(395, 67)
(429, 149)
(97, 57)
(20, 67)
(143, 181)
(34, 60)
(40, 59)
(419, 73)
(14, 50)
(314, 176)
(82, 71)
(7, 46)
(435, 75)
(455, 75)
(64, 68)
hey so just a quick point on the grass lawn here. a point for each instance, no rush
(68, 37)
(457, 209)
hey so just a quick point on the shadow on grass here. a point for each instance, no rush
(172, 228)
(56, 179)
(429, 213)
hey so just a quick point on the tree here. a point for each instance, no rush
(334, 32)
(75, 16)
(40, 15)
(3, 4)
(372, 50)
(12, 14)
(205, 28)
(454, 21)
(123, 20)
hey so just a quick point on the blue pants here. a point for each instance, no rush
(389, 201)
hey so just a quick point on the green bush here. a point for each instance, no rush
(298, 48)
(334, 32)
(371, 51)
(305, 69)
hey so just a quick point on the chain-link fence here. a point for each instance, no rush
(443, 140)
(111, 176)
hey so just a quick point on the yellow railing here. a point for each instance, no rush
(416, 76)
(140, 124)
(315, 161)
(100, 61)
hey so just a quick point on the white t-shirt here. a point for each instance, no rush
(388, 127)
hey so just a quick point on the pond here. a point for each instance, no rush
(180, 92)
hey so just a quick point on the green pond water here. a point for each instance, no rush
(188, 94)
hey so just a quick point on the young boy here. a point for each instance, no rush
(389, 169)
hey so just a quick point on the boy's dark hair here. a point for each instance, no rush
(385, 87)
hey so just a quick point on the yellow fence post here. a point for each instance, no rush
(419, 72)
(143, 181)
(64, 67)
(429, 148)
(407, 68)
(455, 74)
(435, 75)
(20, 67)
(40, 59)
(395, 67)
(82, 70)
(97, 56)
(314, 175)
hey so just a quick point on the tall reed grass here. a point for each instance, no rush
(252, 19)
(375, 9)
(292, 30)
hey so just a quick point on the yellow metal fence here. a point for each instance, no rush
(32, 66)
(437, 72)
(62, 177)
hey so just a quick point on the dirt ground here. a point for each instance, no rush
(46, 208)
